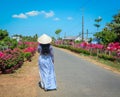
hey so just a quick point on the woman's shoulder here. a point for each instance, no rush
(51, 47)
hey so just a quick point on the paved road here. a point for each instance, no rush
(77, 77)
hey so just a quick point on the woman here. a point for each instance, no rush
(46, 63)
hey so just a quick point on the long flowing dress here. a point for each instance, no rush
(46, 69)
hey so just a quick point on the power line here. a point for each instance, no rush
(82, 8)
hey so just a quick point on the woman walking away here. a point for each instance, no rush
(46, 63)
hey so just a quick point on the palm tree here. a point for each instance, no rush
(97, 25)
(115, 25)
(57, 32)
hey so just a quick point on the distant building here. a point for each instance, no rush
(95, 41)
(17, 38)
(70, 38)
(74, 38)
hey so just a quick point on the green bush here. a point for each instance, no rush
(77, 50)
(86, 52)
(27, 56)
(106, 57)
(22, 45)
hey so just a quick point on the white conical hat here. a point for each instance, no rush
(44, 39)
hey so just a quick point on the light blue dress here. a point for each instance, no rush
(46, 69)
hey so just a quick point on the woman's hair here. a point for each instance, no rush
(45, 49)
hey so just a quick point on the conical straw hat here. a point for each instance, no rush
(44, 39)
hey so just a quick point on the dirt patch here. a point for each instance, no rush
(22, 83)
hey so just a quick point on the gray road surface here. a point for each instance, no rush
(77, 77)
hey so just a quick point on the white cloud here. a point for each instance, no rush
(99, 17)
(21, 15)
(32, 13)
(56, 19)
(69, 18)
(48, 14)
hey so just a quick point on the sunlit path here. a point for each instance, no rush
(79, 78)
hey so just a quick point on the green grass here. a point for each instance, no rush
(115, 65)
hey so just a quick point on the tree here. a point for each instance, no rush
(11, 43)
(27, 38)
(57, 32)
(115, 26)
(111, 33)
(3, 34)
(106, 36)
(97, 25)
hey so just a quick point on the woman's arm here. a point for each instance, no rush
(52, 53)
(39, 49)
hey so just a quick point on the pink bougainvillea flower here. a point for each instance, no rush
(113, 46)
(1, 54)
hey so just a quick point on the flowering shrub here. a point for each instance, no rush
(114, 47)
(111, 52)
(58, 42)
(28, 48)
(31, 50)
(31, 44)
(96, 46)
(83, 44)
(13, 59)
(21, 45)
(1, 54)
(9, 58)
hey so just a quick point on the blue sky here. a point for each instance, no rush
(30, 17)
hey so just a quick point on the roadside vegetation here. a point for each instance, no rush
(15, 50)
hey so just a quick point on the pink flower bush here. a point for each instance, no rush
(10, 58)
(88, 46)
(113, 46)
(28, 47)
(31, 44)
(1, 54)
(118, 54)
(111, 52)
(58, 42)
(95, 46)
(30, 50)
(83, 44)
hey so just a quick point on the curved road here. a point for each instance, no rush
(77, 77)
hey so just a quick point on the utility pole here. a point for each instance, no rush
(82, 28)
(87, 35)
(65, 35)
(82, 24)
